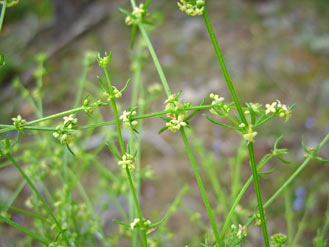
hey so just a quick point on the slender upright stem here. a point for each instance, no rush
(168, 93)
(115, 112)
(201, 186)
(123, 152)
(238, 198)
(223, 65)
(155, 59)
(258, 192)
(243, 119)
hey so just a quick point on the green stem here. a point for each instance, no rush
(25, 230)
(201, 186)
(82, 82)
(22, 211)
(3, 12)
(168, 93)
(139, 211)
(241, 114)
(123, 152)
(155, 59)
(236, 171)
(325, 227)
(37, 194)
(289, 215)
(7, 127)
(115, 112)
(44, 119)
(302, 224)
(16, 194)
(135, 141)
(258, 192)
(292, 177)
(239, 196)
(223, 65)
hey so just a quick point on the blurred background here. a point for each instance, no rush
(273, 50)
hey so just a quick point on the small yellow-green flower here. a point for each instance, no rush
(250, 135)
(284, 111)
(104, 61)
(278, 239)
(216, 100)
(126, 119)
(144, 224)
(173, 104)
(278, 108)
(176, 124)
(127, 161)
(192, 7)
(242, 232)
(18, 122)
(270, 108)
(136, 15)
(70, 121)
(134, 223)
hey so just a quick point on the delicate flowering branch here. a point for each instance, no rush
(178, 125)
(127, 161)
(251, 134)
(192, 8)
(294, 175)
(40, 197)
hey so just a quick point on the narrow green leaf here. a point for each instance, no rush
(101, 83)
(220, 123)
(25, 230)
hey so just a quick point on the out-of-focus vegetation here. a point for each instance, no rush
(273, 50)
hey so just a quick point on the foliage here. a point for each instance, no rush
(61, 218)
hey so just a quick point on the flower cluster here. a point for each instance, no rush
(250, 134)
(143, 224)
(242, 231)
(115, 94)
(136, 16)
(127, 161)
(86, 106)
(63, 133)
(277, 108)
(219, 107)
(4, 147)
(173, 104)
(236, 235)
(176, 124)
(70, 121)
(192, 7)
(127, 121)
(104, 61)
(278, 239)
(18, 122)
(55, 244)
